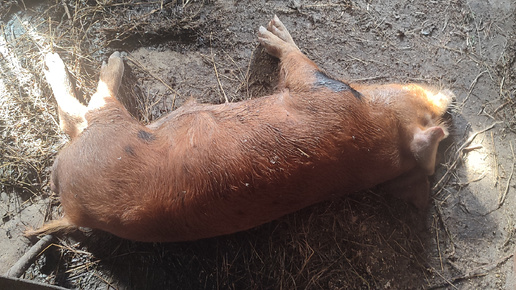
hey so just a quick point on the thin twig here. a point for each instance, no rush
(438, 245)
(66, 9)
(446, 230)
(446, 281)
(248, 73)
(369, 79)
(217, 73)
(495, 161)
(502, 106)
(472, 86)
(504, 195)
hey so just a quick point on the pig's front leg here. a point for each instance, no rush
(109, 81)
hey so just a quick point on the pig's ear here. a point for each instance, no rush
(424, 147)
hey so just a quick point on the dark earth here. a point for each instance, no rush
(208, 50)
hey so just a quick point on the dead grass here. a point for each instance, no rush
(29, 133)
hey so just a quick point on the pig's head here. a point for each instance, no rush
(425, 109)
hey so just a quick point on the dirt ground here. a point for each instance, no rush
(208, 50)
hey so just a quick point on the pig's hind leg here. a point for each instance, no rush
(297, 72)
(276, 39)
(71, 110)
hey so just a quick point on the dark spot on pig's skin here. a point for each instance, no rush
(146, 136)
(129, 150)
(322, 80)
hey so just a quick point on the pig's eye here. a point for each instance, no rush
(426, 119)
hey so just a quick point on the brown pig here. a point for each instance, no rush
(208, 170)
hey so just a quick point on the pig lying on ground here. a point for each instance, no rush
(208, 170)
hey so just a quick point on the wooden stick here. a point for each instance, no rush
(29, 257)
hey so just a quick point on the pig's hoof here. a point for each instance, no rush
(111, 72)
(115, 65)
(277, 28)
(271, 43)
(55, 68)
(276, 39)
